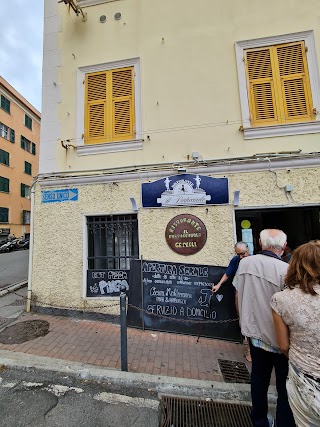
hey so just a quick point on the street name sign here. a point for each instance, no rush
(54, 196)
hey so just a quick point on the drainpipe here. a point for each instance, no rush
(32, 191)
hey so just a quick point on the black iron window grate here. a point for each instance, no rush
(234, 372)
(112, 241)
(185, 412)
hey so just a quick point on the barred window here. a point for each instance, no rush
(112, 241)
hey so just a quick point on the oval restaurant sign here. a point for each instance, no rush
(186, 234)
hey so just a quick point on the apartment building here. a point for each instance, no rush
(19, 158)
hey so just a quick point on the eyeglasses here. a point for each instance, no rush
(242, 253)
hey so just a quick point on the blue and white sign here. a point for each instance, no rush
(185, 190)
(54, 196)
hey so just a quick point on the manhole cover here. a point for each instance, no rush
(24, 331)
(234, 372)
(184, 412)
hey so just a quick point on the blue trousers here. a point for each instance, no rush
(262, 364)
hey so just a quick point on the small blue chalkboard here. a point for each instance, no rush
(54, 196)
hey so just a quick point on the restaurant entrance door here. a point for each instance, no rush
(300, 224)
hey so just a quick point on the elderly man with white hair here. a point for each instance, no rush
(259, 277)
(242, 251)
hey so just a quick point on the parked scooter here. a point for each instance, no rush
(7, 246)
(14, 245)
(22, 244)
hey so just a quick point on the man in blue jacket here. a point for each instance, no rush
(242, 251)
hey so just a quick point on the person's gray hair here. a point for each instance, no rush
(273, 239)
(242, 244)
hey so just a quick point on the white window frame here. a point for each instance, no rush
(4, 131)
(251, 132)
(27, 191)
(26, 217)
(27, 145)
(108, 147)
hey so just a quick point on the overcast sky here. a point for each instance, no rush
(21, 36)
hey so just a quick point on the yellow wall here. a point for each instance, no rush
(188, 71)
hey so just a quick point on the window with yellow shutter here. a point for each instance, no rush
(279, 85)
(109, 106)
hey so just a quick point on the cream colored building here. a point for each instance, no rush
(19, 160)
(140, 90)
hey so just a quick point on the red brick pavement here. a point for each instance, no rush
(150, 352)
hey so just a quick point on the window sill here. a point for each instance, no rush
(282, 130)
(110, 147)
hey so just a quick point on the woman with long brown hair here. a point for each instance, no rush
(296, 315)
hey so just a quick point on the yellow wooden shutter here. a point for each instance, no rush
(294, 82)
(95, 114)
(278, 84)
(122, 104)
(262, 96)
(109, 111)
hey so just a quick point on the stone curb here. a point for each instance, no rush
(13, 287)
(161, 384)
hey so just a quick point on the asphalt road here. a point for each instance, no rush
(12, 305)
(46, 399)
(13, 267)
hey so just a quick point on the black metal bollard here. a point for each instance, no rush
(123, 324)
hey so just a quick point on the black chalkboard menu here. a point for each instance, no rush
(176, 297)
(106, 283)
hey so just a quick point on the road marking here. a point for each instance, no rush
(7, 385)
(31, 384)
(120, 398)
(60, 390)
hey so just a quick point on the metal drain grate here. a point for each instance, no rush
(19, 302)
(182, 412)
(234, 372)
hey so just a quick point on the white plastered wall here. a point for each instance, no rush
(59, 232)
